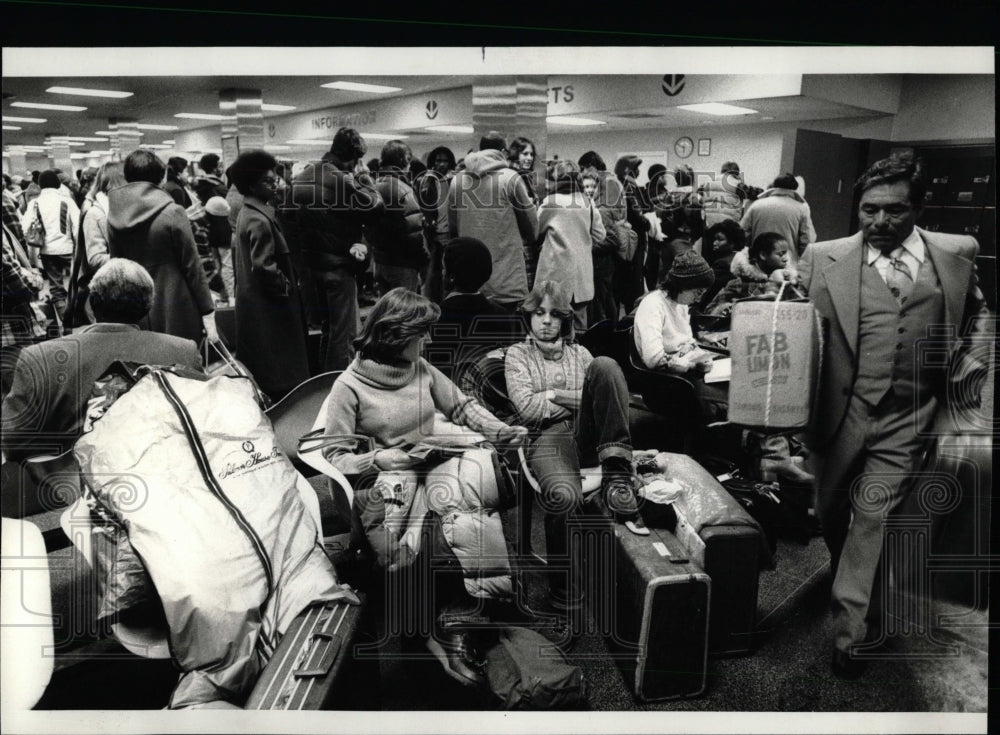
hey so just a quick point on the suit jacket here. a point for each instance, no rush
(831, 272)
(46, 407)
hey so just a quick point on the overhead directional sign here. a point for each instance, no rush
(432, 110)
(673, 84)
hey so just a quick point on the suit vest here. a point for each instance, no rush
(889, 336)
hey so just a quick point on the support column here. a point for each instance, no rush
(514, 106)
(125, 137)
(17, 161)
(58, 146)
(244, 128)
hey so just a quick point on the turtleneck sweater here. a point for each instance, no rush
(394, 404)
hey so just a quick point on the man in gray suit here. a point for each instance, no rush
(45, 410)
(895, 298)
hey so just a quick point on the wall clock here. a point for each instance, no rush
(683, 147)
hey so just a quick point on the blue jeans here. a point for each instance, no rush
(338, 310)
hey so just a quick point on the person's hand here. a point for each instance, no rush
(512, 436)
(703, 366)
(393, 459)
(359, 251)
(211, 331)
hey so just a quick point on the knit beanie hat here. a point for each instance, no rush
(689, 270)
(469, 262)
(217, 206)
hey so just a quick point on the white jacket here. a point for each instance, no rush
(59, 237)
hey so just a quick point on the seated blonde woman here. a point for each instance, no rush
(391, 395)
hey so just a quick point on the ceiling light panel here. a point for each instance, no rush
(204, 116)
(717, 108)
(146, 126)
(11, 127)
(87, 140)
(577, 121)
(268, 107)
(382, 136)
(11, 118)
(84, 92)
(452, 128)
(46, 106)
(358, 87)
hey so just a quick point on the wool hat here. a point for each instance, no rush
(689, 270)
(217, 206)
(469, 262)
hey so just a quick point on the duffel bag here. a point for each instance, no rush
(527, 672)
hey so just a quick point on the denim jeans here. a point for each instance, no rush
(601, 432)
(338, 309)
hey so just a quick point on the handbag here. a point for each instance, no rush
(35, 234)
(628, 240)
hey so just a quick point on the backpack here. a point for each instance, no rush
(527, 672)
(35, 234)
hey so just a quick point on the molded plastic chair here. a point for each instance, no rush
(294, 416)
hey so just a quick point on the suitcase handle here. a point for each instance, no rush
(325, 647)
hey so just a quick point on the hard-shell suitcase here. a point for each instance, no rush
(307, 667)
(659, 625)
(729, 552)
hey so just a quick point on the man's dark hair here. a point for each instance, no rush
(492, 141)
(143, 165)
(785, 181)
(348, 145)
(177, 164)
(891, 170)
(684, 176)
(49, 179)
(249, 169)
(467, 263)
(209, 163)
(591, 159)
(394, 153)
(730, 167)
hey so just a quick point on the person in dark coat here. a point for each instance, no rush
(628, 278)
(270, 327)
(53, 380)
(397, 237)
(176, 185)
(147, 226)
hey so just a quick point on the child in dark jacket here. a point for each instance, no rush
(758, 271)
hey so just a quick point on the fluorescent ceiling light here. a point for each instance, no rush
(11, 127)
(88, 140)
(99, 153)
(144, 126)
(112, 132)
(357, 87)
(717, 108)
(84, 92)
(44, 106)
(268, 107)
(76, 143)
(8, 118)
(168, 142)
(204, 116)
(581, 121)
(451, 128)
(382, 136)
(270, 147)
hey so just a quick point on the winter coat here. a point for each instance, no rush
(177, 192)
(397, 236)
(147, 226)
(570, 227)
(489, 201)
(782, 211)
(270, 327)
(334, 206)
(59, 233)
(722, 199)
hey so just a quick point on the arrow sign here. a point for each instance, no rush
(271, 130)
(432, 110)
(672, 84)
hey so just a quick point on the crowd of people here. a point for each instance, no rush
(482, 253)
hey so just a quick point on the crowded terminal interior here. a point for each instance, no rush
(497, 390)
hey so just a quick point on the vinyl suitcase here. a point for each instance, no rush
(308, 666)
(728, 548)
(659, 622)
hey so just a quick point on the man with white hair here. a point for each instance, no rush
(53, 380)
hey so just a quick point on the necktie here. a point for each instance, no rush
(899, 279)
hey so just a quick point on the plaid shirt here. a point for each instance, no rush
(12, 217)
(18, 325)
